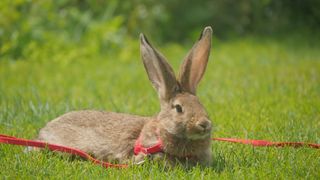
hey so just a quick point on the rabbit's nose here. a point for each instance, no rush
(204, 124)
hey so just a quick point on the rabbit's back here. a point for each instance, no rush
(105, 135)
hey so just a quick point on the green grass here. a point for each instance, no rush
(257, 89)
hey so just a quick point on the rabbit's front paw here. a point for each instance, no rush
(139, 159)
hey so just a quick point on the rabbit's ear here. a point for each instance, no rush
(159, 71)
(194, 64)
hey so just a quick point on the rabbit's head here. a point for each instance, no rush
(181, 114)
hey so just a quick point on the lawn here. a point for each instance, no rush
(253, 88)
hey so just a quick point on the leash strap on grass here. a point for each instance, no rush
(268, 143)
(53, 147)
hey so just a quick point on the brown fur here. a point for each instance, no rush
(111, 136)
(106, 135)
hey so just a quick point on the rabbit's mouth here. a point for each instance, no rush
(199, 128)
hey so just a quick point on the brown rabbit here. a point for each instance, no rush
(182, 127)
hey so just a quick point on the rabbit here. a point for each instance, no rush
(182, 124)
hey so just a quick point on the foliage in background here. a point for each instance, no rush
(103, 26)
(240, 17)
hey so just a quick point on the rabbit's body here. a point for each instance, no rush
(110, 136)
(182, 125)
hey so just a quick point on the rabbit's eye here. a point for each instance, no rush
(178, 108)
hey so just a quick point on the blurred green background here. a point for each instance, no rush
(105, 26)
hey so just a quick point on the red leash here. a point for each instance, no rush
(53, 147)
(268, 143)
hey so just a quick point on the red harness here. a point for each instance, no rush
(138, 148)
(158, 147)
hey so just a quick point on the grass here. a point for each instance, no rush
(253, 88)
